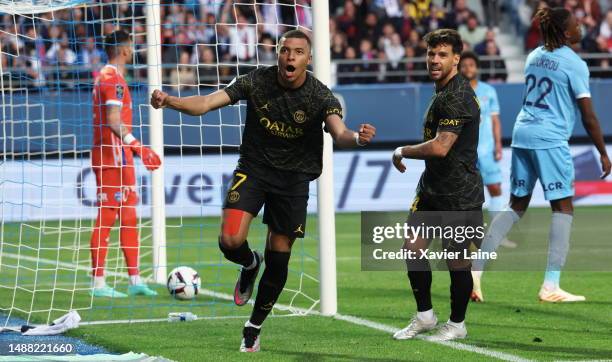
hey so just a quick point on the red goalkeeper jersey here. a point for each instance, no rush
(110, 89)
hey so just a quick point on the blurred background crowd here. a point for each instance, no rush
(372, 41)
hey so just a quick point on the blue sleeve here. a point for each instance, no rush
(493, 102)
(579, 80)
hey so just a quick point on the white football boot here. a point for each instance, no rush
(416, 327)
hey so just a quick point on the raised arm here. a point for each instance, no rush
(345, 137)
(591, 125)
(193, 105)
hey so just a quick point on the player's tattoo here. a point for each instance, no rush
(446, 139)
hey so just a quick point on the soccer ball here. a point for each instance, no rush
(184, 283)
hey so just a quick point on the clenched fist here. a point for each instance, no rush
(366, 134)
(158, 99)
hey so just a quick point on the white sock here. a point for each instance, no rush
(425, 316)
(253, 264)
(135, 279)
(99, 282)
(558, 247)
(458, 325)
(249, 324)
(496, 204)
(500, 227)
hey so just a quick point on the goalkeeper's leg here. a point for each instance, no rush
(108, 195)
(99, 242)
(130, 243)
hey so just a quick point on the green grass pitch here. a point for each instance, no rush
(511, 321)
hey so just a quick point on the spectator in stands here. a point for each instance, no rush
(183, 75)
(243, 38)
(382, 67)
(347, 22)
(387, 32)
(212, 7)
(532, 37)
(267, 54)
(88, 52)
(413, 39)
(389, 10)
(472, 32)
(605, 29)
(207, 67)
(493, 70)
(346, 71)
(303, 14)
(60, 53)
(177, 16)
(491, 12)
(394, 50)
(481, 48)
(338, 46)
(417, 10)
(370, 28)
(600, 67)
(436, 20)
(459, 15)
(367, 54)
(269, 23)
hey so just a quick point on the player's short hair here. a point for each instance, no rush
(298, 34)
(470, 55)
(445, 36)
(115, 39)
(553, 24)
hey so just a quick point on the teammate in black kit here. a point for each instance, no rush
(450, 191)
(280, 154)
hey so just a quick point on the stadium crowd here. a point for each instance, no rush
(372, 41)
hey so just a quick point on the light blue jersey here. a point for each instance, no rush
(554, 82)
(489, 106)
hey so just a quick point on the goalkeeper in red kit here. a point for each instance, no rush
(112, 159)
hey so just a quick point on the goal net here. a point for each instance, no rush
(51, 52)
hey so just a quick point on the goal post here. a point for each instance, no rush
(325, 185)
(158, 202)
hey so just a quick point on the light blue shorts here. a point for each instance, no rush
(554, 168)
(489, 168)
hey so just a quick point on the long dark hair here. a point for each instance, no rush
(553, 24)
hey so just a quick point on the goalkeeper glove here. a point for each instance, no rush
(148, 156)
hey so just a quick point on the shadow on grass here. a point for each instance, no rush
(312, 356)
(556, 350)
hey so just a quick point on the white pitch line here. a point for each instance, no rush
(131, 321)
(298, 311)
(455, 345)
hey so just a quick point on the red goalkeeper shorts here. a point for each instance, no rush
(116, 186)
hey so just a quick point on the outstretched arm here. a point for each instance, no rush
(193, 105)
(345, 137)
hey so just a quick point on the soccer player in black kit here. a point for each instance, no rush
(281, 153)
(450, 191)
